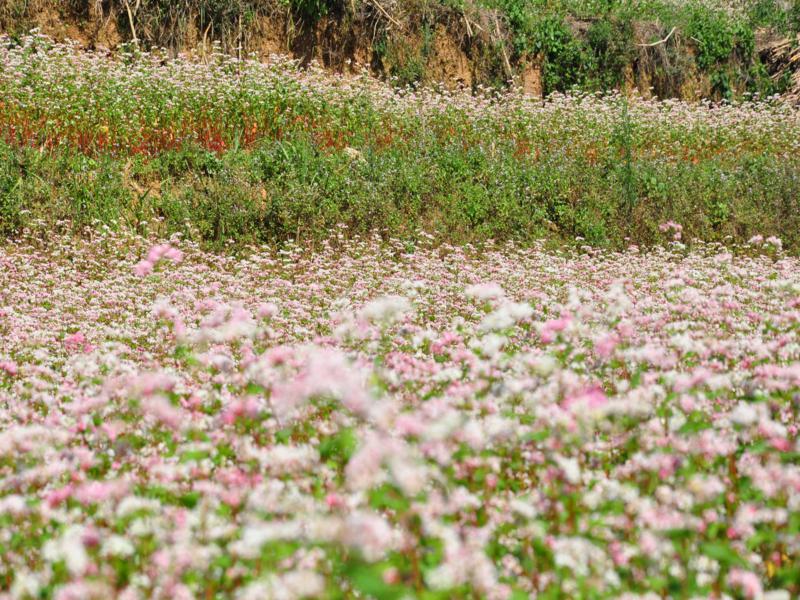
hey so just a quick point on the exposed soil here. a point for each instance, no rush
(458, 51)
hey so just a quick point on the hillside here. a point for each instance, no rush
(226, 151)
(688, 49)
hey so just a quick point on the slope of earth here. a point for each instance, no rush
(670, 48)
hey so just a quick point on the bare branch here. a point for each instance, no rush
(130, 20)
(386, 14)
(658, 43)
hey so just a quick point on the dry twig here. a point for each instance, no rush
(386, 14)
(658, 43)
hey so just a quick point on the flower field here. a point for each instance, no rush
(385, 420)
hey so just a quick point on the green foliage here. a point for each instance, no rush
(566, 61)
(718, 37)
(610, 43)
(775, 14)
(11, 188)
(623, 139)
(310, 11)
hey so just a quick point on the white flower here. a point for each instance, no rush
(117, 545)
(544, 365)
(506, 316)
(485, 291)
(255, 536)
(410, 475)
(353, 154)
(25, 585)
(132, 504)
(370, 533)
(490, 344)
(570, 468)
(744, 414)
(386, 310)
(69, 548)
(523, 508)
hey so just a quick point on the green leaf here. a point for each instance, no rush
(190, 499)
(388, 496)
(340, 446)
(723, 553)
(368, 579)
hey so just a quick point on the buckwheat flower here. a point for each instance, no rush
(154, 255)
(473, 435)
(13, 504)
(409, 474)
(94, 492)
(442, 577)
(116, 545)
(76, 341)
(589, 399)
(370, 534)
(489, 345)
(570, 468)
(69, 548)
(303, 584)
(506, 316)
(549, 329)
(147, 384)
(524, 508)
(744, 414)
(619, 303)
(162, 411)
(775, 242)
(286, 460)
(9, 366)
(485, 291)
(133, 504)
(293, 585)
(84, 590)
(747, 582)
(267, 310)
(256, 535)
(143, 268)
(544, 365)
(385, 310)
(705, 488)
(364, 468)
(578, 555)
(26, 585)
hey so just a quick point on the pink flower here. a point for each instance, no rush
(549, 329)
(77, 342)
(56, 497)
(93, 492)
(160, 409)
(747, 582)
(9, 366)
(155, 254)
(334, 501)
(677, 228)
(267, 310)
(143, 267)
(605, 346)
(592, 398)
